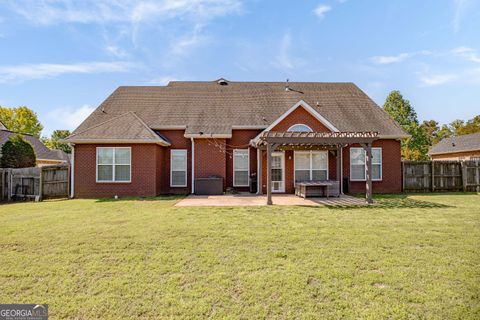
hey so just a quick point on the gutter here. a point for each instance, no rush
(119, 141)
(72, 173)
(207, 136)
(193, 165)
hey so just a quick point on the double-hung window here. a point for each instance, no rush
(241, 167)
(358, 164)
(114, 164)
(178, 168)
(311, 165)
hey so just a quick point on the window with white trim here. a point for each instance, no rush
(241, 167)
(358, 164)
(311, 165)
(300, 127)
(178, 168)
(114, 164)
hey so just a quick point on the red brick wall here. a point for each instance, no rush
(391, 169)
(300, 115)
(178, 141)
(240, 140)
(143, 175)
(210, 158)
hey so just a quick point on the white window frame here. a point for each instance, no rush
(310, 152)
(365, 164)
(113, 166)
(300, 124)
(171, 168)
(248, 168)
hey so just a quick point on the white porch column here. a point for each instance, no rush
(368, 185)
(259, 172)
(269, 173)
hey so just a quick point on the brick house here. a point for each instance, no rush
(44, 155)
(147, 141)
(466, 147)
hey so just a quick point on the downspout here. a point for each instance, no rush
(259, 174)
(193, 165)
(72, 181)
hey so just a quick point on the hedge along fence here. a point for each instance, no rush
(36, 182)
(431, 176)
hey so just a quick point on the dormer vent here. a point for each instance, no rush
(222, 82)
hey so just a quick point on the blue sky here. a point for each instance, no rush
(63, 57)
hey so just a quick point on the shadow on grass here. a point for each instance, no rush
(398, 201)
(159, 198)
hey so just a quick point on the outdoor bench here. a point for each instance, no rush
(322, 188)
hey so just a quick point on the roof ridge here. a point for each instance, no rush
(146, 126)
(99, 124)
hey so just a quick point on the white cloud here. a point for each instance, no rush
(459, 10)
(398, 58)
(390, 59)
(132, 11)
(283, 59)
(321, 10)
(438, 79)
(129, 16)
(183, 45)
(47, 70)
(467, 53)
(116, 51)
(69, 118)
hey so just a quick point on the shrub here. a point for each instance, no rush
(17, 153)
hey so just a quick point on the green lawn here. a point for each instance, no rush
(407, 258)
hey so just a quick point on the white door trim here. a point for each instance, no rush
(282, 157)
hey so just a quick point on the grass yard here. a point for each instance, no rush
(407, 258)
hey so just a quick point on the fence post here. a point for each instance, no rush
(433, 175)
(403, 176)
(40, 185)
(478, 179)
(11, 185)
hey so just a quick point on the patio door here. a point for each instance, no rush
(278, 172)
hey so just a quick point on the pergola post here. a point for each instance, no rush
(339, 168)
(269, 173)
(368, 186)
(259, 172)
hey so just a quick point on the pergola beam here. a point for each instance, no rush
(317, 140)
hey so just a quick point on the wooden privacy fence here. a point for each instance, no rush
(36, 182)
(431, 176)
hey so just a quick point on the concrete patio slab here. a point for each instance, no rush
(246, 199)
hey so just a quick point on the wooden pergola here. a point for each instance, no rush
(272, 141)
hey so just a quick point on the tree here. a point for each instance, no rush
(415, 147)
(21, 119)
(17, 153)
(53, 141)
(431, 129)
(471, 126)
(444, 132)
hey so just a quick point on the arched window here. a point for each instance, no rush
(300, 128)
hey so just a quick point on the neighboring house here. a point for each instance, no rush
(465, 147)
(45, 156)
(146, 141)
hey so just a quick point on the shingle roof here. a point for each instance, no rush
(212, 108)
(127, 126)
(41, 151)
(468, 142)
